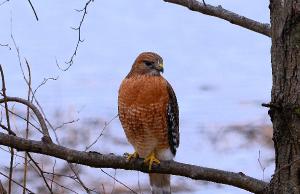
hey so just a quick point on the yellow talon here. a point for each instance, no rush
(151, 159)
(134, 156)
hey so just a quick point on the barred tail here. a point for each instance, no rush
(160, 183)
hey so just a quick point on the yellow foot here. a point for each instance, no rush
(134, 156)
(151, 159)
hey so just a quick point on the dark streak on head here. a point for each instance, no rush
(146, 64)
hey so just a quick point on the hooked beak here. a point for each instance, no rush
(160, 67)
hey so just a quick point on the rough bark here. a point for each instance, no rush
(98, 160)
(285, 104)
(220, 12)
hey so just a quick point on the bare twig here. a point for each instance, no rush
(261, 166)
(61, 175)
(57, 140)
(38, 87)
(79, 40)
(77, 176)
(30, 192)
(36, 17)
(43, 115)
(9, 129)
(44, 82)
(5, 102)
(60, 185)
(27, 128)
(2, 190)
(52, 128)
(19, 116)
(118, 162)
(17, 155)
(3, 2)
(219, 12)
(53, 174)
(10, 170)
(79, 179)
(114, 184)
(16, 47)
(5, 45)
(116, 180)
(106, 124)
(41, 172)
(66, 123)
(46, 137)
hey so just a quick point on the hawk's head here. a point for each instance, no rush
(147, 63)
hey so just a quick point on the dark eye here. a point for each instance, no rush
(148, 63)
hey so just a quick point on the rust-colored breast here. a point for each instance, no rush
(142, 107)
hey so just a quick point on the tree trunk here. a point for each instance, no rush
(285, 104)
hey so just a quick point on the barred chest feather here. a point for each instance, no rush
(147, 116)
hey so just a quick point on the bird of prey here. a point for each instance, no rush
(148, 112)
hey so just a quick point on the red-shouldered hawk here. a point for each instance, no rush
(148, 111)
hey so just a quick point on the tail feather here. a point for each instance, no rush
(160, 183)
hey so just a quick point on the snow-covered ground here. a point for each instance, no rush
(220, 72)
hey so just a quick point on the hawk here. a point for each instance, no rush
(148, 112)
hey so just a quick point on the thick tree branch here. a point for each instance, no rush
(98, 160)
(219, 12)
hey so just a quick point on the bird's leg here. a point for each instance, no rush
(134, 155)
(151, 159)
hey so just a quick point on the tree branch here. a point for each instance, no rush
(5, 45)
(219, 12)
(9, 130)
(2, 190)
(79, 40)
(20, 185)
(36, 17)
(41, 172)
(5, 1)
(98, 160)
(46, 136)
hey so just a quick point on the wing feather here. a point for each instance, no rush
(172, 120)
